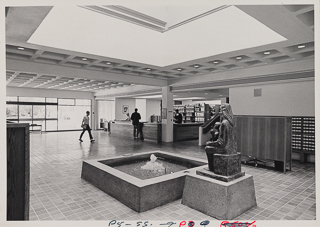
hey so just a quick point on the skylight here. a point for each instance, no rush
(94, 33)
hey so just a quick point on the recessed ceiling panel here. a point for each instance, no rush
(94, 33)
(174, 13)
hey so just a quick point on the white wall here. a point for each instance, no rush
(282, 99)
(105, 109)
(141, 104)
(153, 108)
(119, 102)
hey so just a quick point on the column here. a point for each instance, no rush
(95, 122)
(167, 114)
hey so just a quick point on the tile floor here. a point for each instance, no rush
(58, 192)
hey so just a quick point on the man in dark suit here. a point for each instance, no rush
(178, 117)
(135, 117)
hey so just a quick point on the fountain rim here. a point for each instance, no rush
(140, 182)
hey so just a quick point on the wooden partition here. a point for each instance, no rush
(265, 137)
(18, 171)
(186, 131)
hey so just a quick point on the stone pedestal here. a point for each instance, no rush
(221, 200)
(207, 173)
(227, 164)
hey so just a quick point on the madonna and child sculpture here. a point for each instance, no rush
(221, 150)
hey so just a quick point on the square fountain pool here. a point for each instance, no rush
(141, 190)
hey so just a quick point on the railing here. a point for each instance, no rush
(204, 129)
(207, 126)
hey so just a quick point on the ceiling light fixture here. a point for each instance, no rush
(267, 52)
(301, 46)
(196, 66)
(84, 59)
(108, 63)
(179, 69)
(238, 58)
(149, 69)
(215, 62)
(20, 48)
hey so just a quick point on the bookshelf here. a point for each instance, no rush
(193, 112)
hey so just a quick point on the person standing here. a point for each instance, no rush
(85, 126)
(135, 117)
(178, 117)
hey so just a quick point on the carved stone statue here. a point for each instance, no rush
(223, 142)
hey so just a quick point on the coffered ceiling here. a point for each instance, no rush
(39, 66)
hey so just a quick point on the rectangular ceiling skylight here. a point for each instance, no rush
(94, 33)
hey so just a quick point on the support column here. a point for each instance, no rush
(94, 124)
(167, 114)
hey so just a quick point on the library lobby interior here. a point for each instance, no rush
(226, 104)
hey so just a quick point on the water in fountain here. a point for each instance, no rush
(153, 165)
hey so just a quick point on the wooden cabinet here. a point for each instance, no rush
(265, 137)
(18, 171)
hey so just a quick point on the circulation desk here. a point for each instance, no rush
(151, 131)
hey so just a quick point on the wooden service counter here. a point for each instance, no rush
(151, 131)
(186, 131)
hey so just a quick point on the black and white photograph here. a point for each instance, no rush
(224, 95)
(125, 109)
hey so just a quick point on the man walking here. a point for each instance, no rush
(135, 117)
(85, 126)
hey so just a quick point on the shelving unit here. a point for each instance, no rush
(303, 136)
(179, 107)
(193, 113)
(200, 113)
(189, 114)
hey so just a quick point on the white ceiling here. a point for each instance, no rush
(60, 66)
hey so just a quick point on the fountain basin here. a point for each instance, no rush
(139, 194)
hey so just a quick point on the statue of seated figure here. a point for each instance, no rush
(223, 141)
